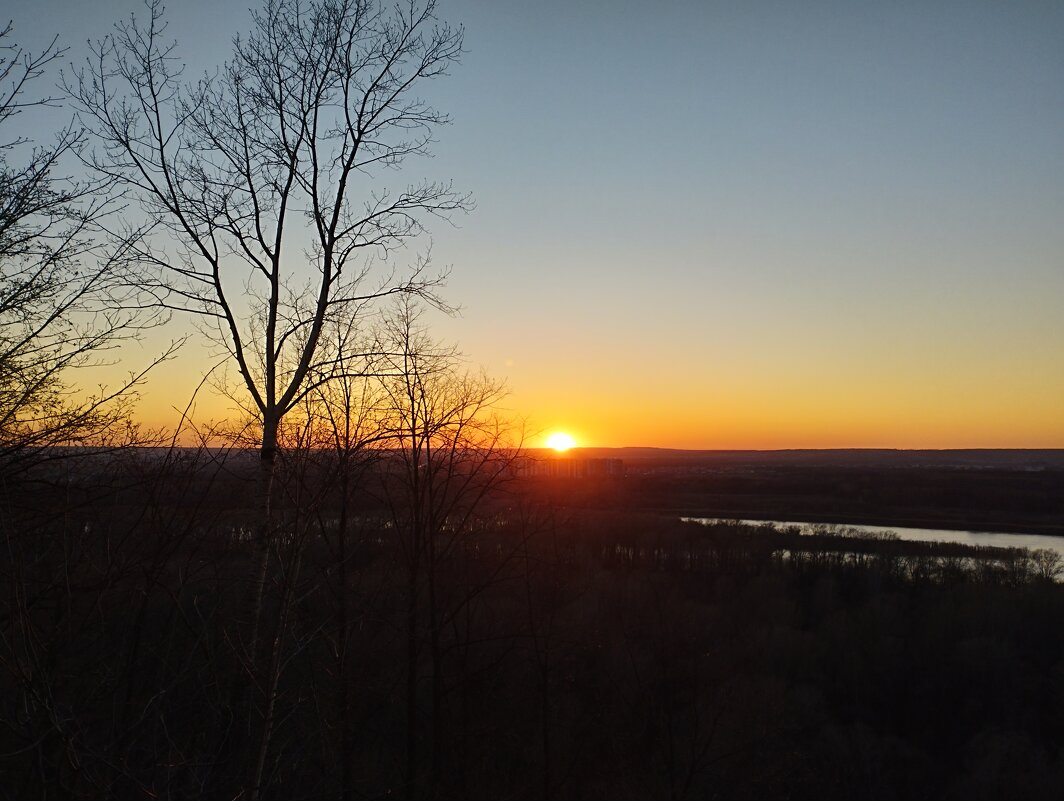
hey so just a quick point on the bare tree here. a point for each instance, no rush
(258, 184)
(1048, 564)
(257, 181)
(257, 178)
(329, 444)
(63, 301)
(451, 450)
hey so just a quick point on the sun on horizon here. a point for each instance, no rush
(560, 442)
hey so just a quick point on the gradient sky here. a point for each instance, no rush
(738, 224)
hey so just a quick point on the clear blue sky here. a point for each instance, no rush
(769, 224)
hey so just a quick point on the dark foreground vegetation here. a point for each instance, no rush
(509, 648)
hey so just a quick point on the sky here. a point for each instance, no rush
(735, 224)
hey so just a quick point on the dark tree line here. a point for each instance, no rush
(550, 653)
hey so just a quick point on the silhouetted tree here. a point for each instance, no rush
(449, 450)
(64, 302)
(1048, 564)
(258, 184)
(257, 179)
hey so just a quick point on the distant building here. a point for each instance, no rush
(573, 467)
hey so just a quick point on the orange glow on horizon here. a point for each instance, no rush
(1004, 400)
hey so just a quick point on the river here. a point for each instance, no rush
(981, 538)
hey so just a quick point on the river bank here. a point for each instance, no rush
(982, 524)
(986, 539)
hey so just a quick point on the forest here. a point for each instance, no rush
(1005, 490)
(509, 648)
(353, 586)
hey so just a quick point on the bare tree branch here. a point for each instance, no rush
(65, 301)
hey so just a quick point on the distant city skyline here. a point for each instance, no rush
(716, 225)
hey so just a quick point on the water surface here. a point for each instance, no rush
(993, 539)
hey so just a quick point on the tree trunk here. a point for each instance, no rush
(437, 672)
(237, 757)
(261, 536)
(411, 687)
(347, 778)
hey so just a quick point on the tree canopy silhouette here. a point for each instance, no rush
(260, 180)
(264, 213)
(64, 302)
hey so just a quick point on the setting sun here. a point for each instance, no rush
(560, 441)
